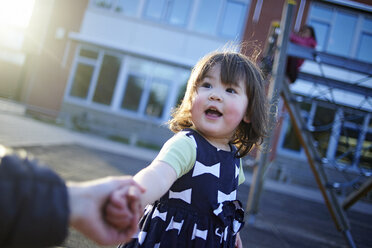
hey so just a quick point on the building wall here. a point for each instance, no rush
(154, 40)
(138, 38)
(264, 12)
(115, 125)
(48, 48)
(261, 15)
(10, 76)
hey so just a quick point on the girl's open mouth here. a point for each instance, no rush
(212, 112)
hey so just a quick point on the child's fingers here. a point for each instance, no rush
(118, 218)
(112, 210)
(134, 203)
(136, 209)
(133, 191)
(135, 206)
(117, 197)
(123, 209)
(119, 223)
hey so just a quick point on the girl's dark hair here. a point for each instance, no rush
(311, 29)
(234, 67)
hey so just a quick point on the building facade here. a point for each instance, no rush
(118, 67)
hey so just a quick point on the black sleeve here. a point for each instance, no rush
(34, 207)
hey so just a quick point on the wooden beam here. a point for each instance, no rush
(356, 195)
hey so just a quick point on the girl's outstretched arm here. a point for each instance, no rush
(157, 178)
(238, 241)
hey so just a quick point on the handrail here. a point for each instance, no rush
(329, 59)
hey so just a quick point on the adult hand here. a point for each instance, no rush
(87, 201)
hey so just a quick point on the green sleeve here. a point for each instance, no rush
(179, 152)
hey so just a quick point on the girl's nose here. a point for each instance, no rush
(214, 96)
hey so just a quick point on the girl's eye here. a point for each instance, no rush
(231, 90)
(206, 85)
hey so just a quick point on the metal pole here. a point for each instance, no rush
(273, 94)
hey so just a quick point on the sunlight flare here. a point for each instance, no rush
(16, 13)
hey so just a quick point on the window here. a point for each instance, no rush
(95, 76)
(322, 31)
(106, 4)
(207, 17)
(341, 36)
(179, 13)
(225, 18)
(322, 124)
(364, 49)
(80, 85)
(233, 19)
(127, 84)
(155, 8)
(344, 136)
(346, 146)
(342, 32)
(87, 53)
(84, 73)
(365, 160)
(107, 79)
(181, 93)
(148, 88)
(133, 93)
(291, 142)
(127, 7)
(157, 98)
(174, 12)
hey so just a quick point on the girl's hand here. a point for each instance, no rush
(238, 241)
(88, 202)
(123, 209)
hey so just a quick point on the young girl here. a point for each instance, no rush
(191, 185)
(305, 37)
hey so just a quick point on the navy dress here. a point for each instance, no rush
(200, 209)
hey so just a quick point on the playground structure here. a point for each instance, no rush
(277, 50)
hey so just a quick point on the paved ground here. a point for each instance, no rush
(289, 216)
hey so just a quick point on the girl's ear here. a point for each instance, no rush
(246, 119)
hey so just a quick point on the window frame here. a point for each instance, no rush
(173, 85)
(336, 10)
(78, 59)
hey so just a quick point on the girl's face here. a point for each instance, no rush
(218, 109)
(306, 32)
